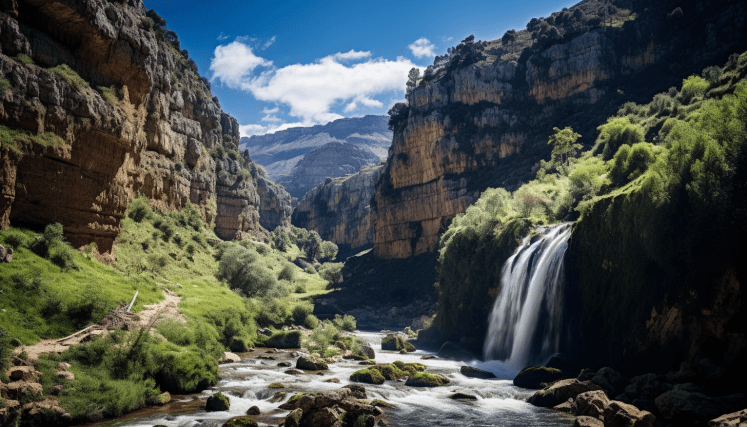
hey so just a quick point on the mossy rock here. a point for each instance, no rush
(308, 363)
(534, 376)
(285, 339)
(217, 402)
(380, 403)
(462, 396)
(395, 343)
(241, 422)
(424, 379)
(368, 376)
(276, 385)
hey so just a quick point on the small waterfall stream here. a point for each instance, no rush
(526, 320)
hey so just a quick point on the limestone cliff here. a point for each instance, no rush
(331, 160)
(99, 103)
(339, 210)
(482, 114)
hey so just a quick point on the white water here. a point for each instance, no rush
(499, 402)
(526, 320)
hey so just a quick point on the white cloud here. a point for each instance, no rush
(422, 47)
(254, 129)
(269, 43)
(270, 110)
(311, 90)
(233, 61)
(222, 36)
(352, 55)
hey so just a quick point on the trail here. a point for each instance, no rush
(115, 319)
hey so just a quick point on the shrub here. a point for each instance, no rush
(300, 288)
(66, 73)
(288, 272)
(322, 337)
(309, 269)
(311, 322)
(301, 311)
(285, 339)
(693, 87)
(631, 162)
(190, 249)
(345, 322)
(332, 272)
(139, 209)
(241, 268)
(328, 251)
(613, 134)
(62, 255)
(15, 239)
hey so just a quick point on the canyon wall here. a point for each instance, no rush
(99, 103)
(339, 210)
(482, 119)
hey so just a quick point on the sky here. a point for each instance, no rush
(280, 64)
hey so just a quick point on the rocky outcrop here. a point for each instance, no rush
(340, 210)
(331, 160)
(480, 121)
(98, 105)
(279, 152)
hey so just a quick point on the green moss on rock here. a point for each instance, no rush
(368, 376)
(424, 379)
(534, 376)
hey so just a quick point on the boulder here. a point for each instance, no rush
(18, 390)
(284, 365)
(453, 351)
(368, 376)
(293, 372)
(683, 408)
(618, 414)
(393, 342)
(534, 376)
(584, 421)
(591, 403)
(423, 379)
(325, 417)
(23, 373)
(66, 375)
(6, 254)
(462, 396)
(293, 419)
(560, 392)
(229, 357)
(643, 389)
(161, 399)
(611, 381)
(254, 410)
(47, 413)
(566, 407)
(586, 375)
(217, 402)
(309, 363)
(368, 352)
(735, 419)
(472, 372)
(241, 422)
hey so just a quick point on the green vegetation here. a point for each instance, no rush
(24, 59)
(395, 343)
(377, 374)
(5, 85)
(14, 140)
(70, 76)
(110, 94)
(285, 339)
(666, 170)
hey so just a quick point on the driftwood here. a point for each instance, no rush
(129, 308)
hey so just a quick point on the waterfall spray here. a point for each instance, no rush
(525, 323)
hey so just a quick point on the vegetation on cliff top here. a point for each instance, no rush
(668, 169)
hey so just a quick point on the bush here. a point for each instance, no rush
(242, 269)
(62, 255)
(301, 311)
(300, 287)
(285, 339)
(288, 272)
(332, 272)
(693, 87)
(345, 322)
(322, 337)
(631, 162)
(15, 239)
(311, 322)
(613, 134)
(328, 251)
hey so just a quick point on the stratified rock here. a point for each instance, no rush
(331, 160)
(217, 402)
(275, 207)
(618, 414)
(472, 372)
(309, 363)
(683, 408)
(560, 392)
(533, 377)
(735, 419)
(339, 209)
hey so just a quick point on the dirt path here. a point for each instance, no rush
(117, 318)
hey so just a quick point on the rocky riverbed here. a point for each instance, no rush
(255, 382)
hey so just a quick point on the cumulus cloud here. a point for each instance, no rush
(422, 47)
(270, 114)
(311, 90)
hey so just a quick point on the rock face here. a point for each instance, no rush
(279, 152)
(340, 210)
(100, 106)
(331, 160)
(484, 122)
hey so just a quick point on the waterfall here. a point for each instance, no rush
(525, 323)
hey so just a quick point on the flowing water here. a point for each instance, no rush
(526, 320)
(499, 402)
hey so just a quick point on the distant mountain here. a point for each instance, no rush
(331, 160)
(279, 152)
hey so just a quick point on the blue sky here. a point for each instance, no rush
(280, 64)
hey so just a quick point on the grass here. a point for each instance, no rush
(110, 94)
(14, 139)
(5, 85)
(65, 72)
(24, 59)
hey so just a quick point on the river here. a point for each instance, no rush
(499, 402)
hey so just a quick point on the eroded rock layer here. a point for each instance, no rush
(339, 209)
(98, 103)
(482, 121)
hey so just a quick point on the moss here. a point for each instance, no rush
(424, 379)
(14, 140)
(65, 72)
(276, 385)
(241, 422)
(396, 343)
(369, 376)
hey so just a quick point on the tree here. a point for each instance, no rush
(509, 38)
(398, 115)
(412, 79)
(564, 144)
(469, 40)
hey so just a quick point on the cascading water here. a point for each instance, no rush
(525, 323)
